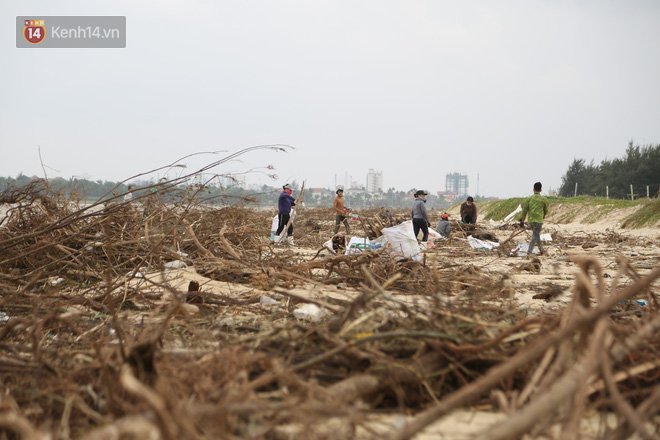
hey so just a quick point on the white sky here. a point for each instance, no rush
(511, 91)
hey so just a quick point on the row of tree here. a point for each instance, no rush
(640, 167)
(86, 189)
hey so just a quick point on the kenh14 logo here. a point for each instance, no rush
(34, 31)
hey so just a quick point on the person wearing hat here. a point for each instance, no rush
(444, 227)
(469, 211)
(419, 217)
(340, 211)
(284, 204)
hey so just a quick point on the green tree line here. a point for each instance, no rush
(640, 167)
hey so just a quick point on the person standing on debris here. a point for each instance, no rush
(284, 204)
(469, 211)
(419, 217)
(536, 206)
(444, 227)
(340, 211)
(384, 214)
(128, 197)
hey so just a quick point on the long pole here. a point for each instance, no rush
(607, 192)
(575, 193)
(647, 192)
(632, 196)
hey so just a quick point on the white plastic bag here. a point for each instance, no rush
(273, 227)
(521, 250)
(267, 301)
(309, 312)
(475, 243)
(401, 239)
(357, 245)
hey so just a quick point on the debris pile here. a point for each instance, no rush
(185, 321)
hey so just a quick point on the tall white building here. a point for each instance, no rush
(374, 181)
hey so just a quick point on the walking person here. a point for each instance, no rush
(420, 219)
(536, 207)
(340, 211)
(469, 211)
(284, 205)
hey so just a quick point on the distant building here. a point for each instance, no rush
(449, 196)
(204, 179)
(317, 193)
(457, 183)
(232, 181)
(374, 181)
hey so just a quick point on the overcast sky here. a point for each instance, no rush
(507, 92)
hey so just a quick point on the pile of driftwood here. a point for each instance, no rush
(87, 352)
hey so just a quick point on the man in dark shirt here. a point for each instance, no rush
(469, 211)
(284, 204)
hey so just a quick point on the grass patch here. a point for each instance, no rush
(598, 214)
(569, 215)
(648, 215)
(499, 209)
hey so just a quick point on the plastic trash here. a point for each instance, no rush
(475, 243)
(521, 251)
(226, 322)
(176, 264)
(309, 312)
(510, 216)
(401, 239)
(357, 245)
(434, 235)
(328, 245)
(56, 282)
(4, 317)
(546, 237)
(267, 301)
(273, 227)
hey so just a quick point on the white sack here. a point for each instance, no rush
(357, 245)
(401, 239)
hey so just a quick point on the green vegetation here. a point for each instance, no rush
(640, 167)
(647, 216)
(499, 209)
(572, 207)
